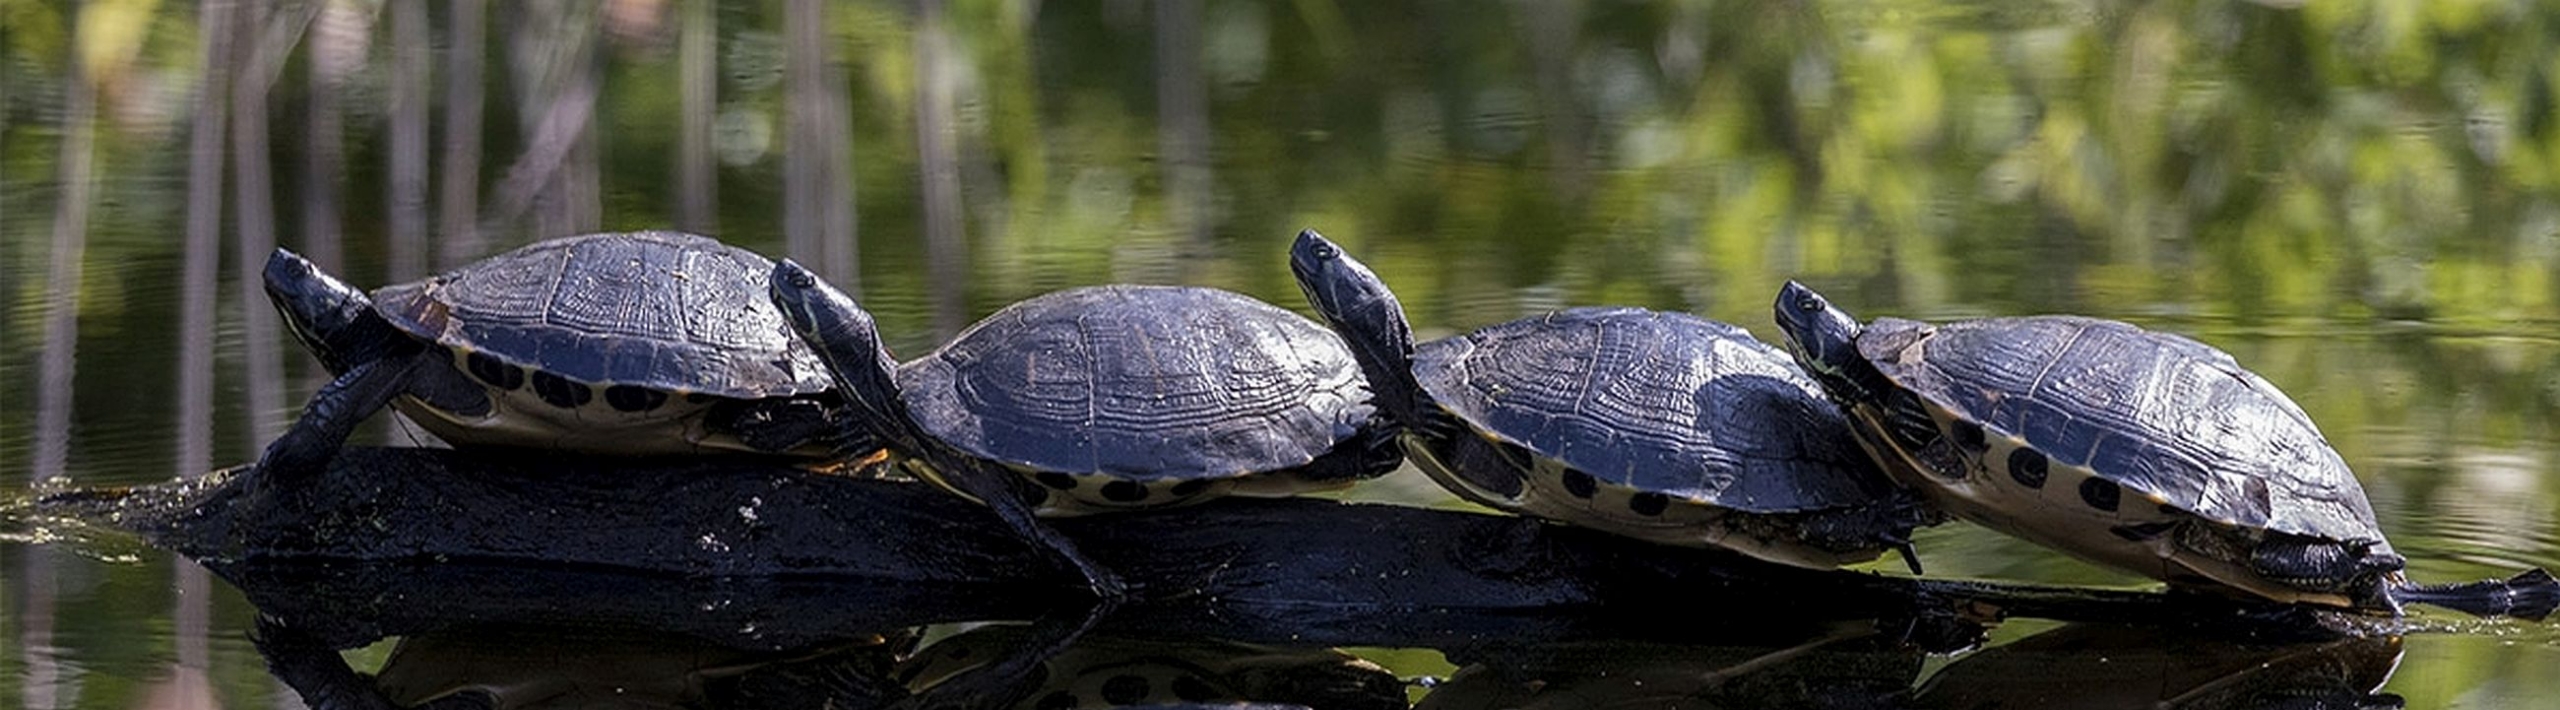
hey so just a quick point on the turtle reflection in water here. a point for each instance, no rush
(1107, 671)
(525, 667)
(1849, 669)
(2139, 450)
(634, 343)
(1660, 426)
(1105, 398)
(2097, 666)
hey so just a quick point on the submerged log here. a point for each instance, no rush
(405, 539)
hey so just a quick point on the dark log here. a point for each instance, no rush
(411, 538)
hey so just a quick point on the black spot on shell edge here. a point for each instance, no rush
(489, 370)
(2101, 494)
(2028, 467)
(1580, 484)
(1968, 435)
(634, 398)
(1124, 491)
(559, 391)
(1125, 690)
(1649, 504)
(1055, 480)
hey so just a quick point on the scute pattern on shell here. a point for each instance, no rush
(1141, 382)
(2164, 415)
(664, 310)
(1659, 402)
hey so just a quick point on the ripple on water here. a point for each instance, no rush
(2487, 514)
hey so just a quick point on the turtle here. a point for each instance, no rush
(1118, 670)
(1104, 398)
(2085, 665)
(2139, 450)
(1660, 426)
(631, 343)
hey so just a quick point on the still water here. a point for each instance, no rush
(2358, 201)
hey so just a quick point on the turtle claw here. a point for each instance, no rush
(1108, 588)
(1910, 557)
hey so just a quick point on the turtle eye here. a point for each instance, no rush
(1808, 305)
(801, 279)
(1326, 251)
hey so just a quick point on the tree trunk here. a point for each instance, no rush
(552, 48)
(62, 277)
(411, 62)
(697, 76)
(458, 215)
(198, 286)
(1182, 127)
(339, 39)
(41, 683)
(946, 244)
(817, 162)
(1552, 29)
(253, 194)
(551, 119)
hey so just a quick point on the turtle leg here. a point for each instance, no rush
(447, 389)
(1011, 497)
(313, 669)
(2349, 567)
(1481, 470)
(1009, 679)
(776, 425)
(333, 413)
(2531, 596)
(1374, 451)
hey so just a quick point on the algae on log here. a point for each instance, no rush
(1312, 571)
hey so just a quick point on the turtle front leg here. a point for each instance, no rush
(332, 415)
(313, 669)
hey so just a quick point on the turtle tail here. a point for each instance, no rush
(1370, 320)
(2532, 595)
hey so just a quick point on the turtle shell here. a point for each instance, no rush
(2174, 422)
(664, 311)
(1662, 403)
(1141, 383)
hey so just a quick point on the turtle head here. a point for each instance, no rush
(1823, 338)
(847, 341)
(333, 320)
(1371, 321)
